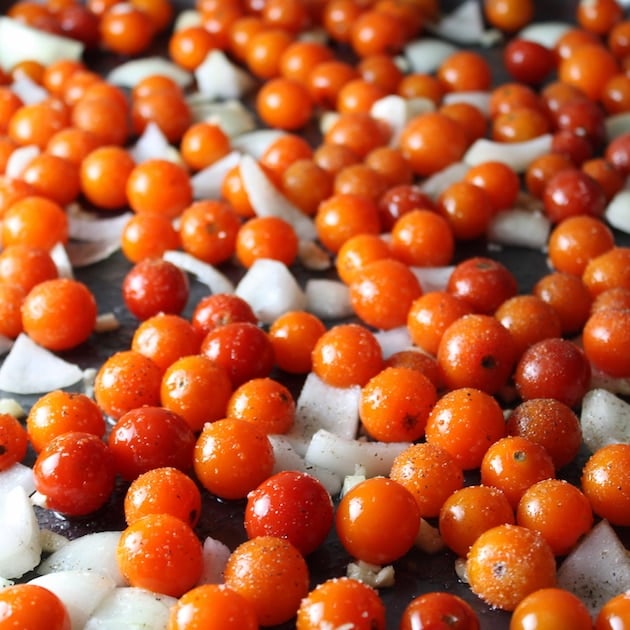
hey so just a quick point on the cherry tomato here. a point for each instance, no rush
(154, 286)
(75, 472)
(292, 505)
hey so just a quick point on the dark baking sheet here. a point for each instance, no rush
(417, 572)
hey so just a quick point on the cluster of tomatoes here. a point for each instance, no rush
(193, 399)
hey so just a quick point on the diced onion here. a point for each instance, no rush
(131, 72)
(19, 159)
(393, 340)
(80, 592)
(94, 552)
(219, 78)
(617, 124)
(426, 54)
(256, 142)
(28, 91)
(517, 155)
(518, 227)
(215, 555)
(328, 298)
(437, 183)
(271, 290)
(20, 547)
(131, 607)
(545, 33)
(479, 99)
(231, 116)
(217, 281)
(323, 406)
(19, 42)
(267, 200)
(617, 212)
(433, 278)
(341, 455)
(206, 183)
(597, 569)
(464, 25)
(605, 419)
(31, 369)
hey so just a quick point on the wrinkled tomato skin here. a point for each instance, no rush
(75, 471)
(151, 437)
(292, 505)
(155, 286)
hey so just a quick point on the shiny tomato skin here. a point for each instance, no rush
(151, 437)
(75, 471)
(154, 286)
(291, 505)
(242, 348)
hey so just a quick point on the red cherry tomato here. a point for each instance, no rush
(154, 286)
(291, 505)
(75, 472)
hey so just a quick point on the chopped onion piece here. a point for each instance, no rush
(85, 253)
(393, 340)
(322, 406)
(464, 25)
(437, 183)
(19, 42)
(313, 256)
(218, 78)
(94, 552)
(426, 54)
(519, 227)
(605, 419)
(327, 298)
(51, 541)
(326, 120)
(186, 18)
(31, 369)
(287, 457)
(19, 159)
(433, 278)
(231, 116)
(617, 212)
(374, 575)
(517, 155)
(17, 475)
(151, 144)
(28, 91)
(215, 556)
(271, 290)
(206, 183)
(479, 99)
(615, 385)
(597, 569)
(544, 33)
(397, 111)
(204, 272)
(20, 547)
(267, 200)
(617, 125)
(106, 322)
(256, 142)
(131, 72)
(62, 261)
(80, 592)
(131, 607)
(428, 538)
(86, 226)
(341, 454)
(12, 407)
